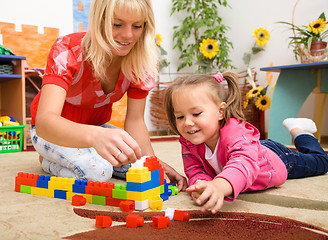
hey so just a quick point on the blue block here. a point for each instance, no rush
(155, 181)
(79, 186)
(60, 194)
(42, 182)
(164, 196)
(138, 187)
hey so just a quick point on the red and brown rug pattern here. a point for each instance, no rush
(222, 225)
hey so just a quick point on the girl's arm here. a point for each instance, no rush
(58, 130)
(136, 127)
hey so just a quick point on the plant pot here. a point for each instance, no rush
(318, 48)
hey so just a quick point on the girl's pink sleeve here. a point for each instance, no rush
(193, 167)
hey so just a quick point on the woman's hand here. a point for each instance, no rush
(116, 146)
(210, 194)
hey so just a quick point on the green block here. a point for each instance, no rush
(119, 191)
(25, 189)
(100, 200)
(161, 189)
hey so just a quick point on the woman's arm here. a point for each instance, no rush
(136, 127)
(58, 130)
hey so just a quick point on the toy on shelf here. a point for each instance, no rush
(11, 135)
(145, 188)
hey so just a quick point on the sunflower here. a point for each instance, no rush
(254, 92)
(209, 48)
(261, 36)
(263, 102)
(246, 103)
(158, 39)
(317, 26)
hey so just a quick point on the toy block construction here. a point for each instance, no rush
(145, 188)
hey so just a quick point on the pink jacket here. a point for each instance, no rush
(247, 165)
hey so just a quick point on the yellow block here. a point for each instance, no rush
(141, 196)
(42, 192)
(59, 183)
(138, 175)
(88, 197)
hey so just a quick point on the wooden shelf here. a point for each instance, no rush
(12, 90)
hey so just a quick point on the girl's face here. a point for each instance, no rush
(197, 115)
(127, 30)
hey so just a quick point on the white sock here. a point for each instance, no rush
(306, 124)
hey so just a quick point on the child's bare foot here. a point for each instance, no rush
(40, 159)
(295, 125)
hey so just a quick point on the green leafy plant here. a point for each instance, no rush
(163, 61)
(201, 36)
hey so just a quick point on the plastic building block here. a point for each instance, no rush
(160, 222)
(79, 186)
(100, 200)
(127, 206)
(99, 188)
(42, 182)
(141, 205)
(138, 175)
(115, 202)
(63, 184)
(88, 197)
(60, 194)
(156, 203)
(25, 179)
(103, 221)
(152, 163)
(78, 200)
(174, 189)
(42, 192)
(177, 215)
(119, 191)
(134, 221)
(141, 196)
(25, 189)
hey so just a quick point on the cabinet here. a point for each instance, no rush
(12, 89)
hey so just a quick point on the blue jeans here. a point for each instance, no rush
(309, 159)
(78, 163)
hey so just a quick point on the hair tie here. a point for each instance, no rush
(218, 77)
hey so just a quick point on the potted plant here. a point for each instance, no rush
(200, 37)
(311, 37)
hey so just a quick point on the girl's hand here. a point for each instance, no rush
(116, 146)
(173, 177)
(210, 194)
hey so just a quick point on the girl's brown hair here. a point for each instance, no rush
(217, 91)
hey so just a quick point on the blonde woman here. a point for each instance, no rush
(84, 75)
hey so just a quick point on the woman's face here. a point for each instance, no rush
(127, 30)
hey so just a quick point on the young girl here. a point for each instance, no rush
(222, 153)
(85, 74)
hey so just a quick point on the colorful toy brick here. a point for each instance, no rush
(103, 221)
(141, 205)
(100, 200)
(152, 163)
(63, 184)
(119, 191)
(42, 192)
(99, 188)
(25, 179)
(78, 200)
(42, 182)
(174, 189)
(160, 222)
(134, 221)
(127, 206)
(79, 186)
(138, 175)
(156, 203)
(115, 202)
(177, 215)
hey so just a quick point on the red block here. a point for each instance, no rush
(152, 163)
(160, 222)
(134, 221)
(181, 215)
(103, 221)
(115, 202)
(25, 179)
(127, 206)
(99, 188)
(78, 200)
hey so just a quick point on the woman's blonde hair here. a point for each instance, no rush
(217, 92)
(141, 61)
